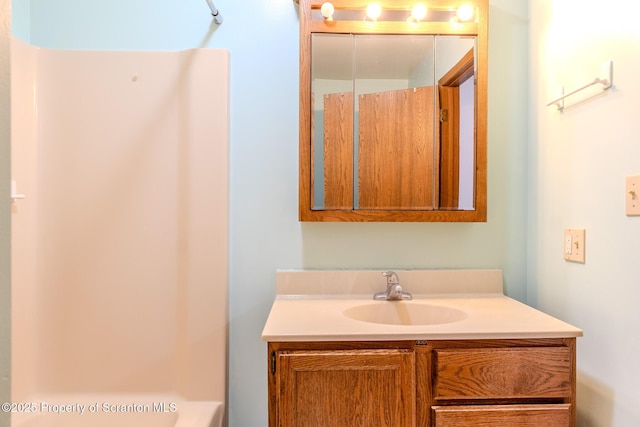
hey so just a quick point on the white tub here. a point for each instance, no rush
(117, 410)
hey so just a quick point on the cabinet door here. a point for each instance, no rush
(345, 388)
(503, 416)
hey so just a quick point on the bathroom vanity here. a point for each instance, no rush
(459, 354)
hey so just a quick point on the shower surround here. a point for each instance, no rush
(120, 246)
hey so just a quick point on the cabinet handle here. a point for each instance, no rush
(273, 363)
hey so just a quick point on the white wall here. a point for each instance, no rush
(578, 161)
(262, 38)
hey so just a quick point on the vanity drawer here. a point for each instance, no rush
(502, 415)
(502, 373)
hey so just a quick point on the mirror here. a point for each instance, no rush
(393, 117)
(394, 80)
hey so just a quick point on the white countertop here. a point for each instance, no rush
(308, 308)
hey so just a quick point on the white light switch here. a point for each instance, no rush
(632, 190)
(574, 244)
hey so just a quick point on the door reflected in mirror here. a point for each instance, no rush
(393, 122)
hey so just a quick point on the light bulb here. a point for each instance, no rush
(373, 11)
(465, 13)
(419, 12)
(327, 11)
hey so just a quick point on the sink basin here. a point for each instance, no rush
(404, 313)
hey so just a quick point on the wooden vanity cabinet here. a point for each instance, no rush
(461, 383)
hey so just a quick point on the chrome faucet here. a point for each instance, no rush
(394, 291)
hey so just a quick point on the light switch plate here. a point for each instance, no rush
(574, 244)
(632, 195)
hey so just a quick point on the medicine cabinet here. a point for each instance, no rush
(393, 111)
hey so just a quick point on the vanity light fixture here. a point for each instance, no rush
(462, 14)
(327, 10)
(373, 11)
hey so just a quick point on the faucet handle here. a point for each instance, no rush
(392, 277)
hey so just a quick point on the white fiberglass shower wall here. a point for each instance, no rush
(120, 246)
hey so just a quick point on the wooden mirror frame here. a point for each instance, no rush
(478, 29)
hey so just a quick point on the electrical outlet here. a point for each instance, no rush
(574, 244)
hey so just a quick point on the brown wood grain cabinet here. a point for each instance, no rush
(461, 383)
